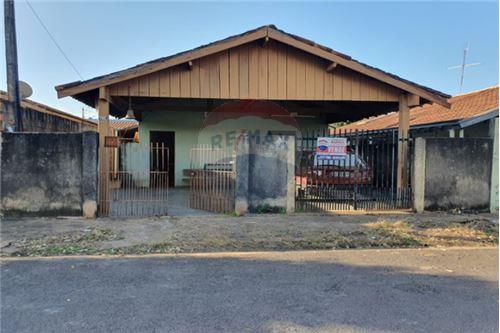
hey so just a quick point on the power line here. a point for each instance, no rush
(53, 39)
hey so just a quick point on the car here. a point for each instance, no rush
(316, 170)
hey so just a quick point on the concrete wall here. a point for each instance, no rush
(265, 174)
(494, 171)
(190, 130)
(452, 173)
(48, 174)
(479, 130)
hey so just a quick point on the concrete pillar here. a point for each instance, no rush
(290, 193)
(89, 174)
(242, 176)
(419, 175)
(263, 158)
(494, 170)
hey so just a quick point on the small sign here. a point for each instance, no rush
(331, 148)
(111, 142)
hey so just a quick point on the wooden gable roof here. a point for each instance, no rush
(283, 69)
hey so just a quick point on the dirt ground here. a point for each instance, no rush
(64, 236)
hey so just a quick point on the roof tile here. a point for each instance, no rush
(463, 106)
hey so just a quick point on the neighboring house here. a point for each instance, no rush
(471, 115)
(38, 117)
(122, 128)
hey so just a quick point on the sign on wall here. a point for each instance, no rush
(331, 148)
(111, 142)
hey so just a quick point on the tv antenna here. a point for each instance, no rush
(463, 66)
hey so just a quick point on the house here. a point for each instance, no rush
(471, 115)
(259, 82)
(38, 117)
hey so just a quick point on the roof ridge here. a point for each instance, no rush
(475, 91)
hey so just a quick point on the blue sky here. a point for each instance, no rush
(415, 40)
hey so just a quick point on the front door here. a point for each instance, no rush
(167, 140)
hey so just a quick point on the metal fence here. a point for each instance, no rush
(364, 179)
(211, 179)
(137, 181)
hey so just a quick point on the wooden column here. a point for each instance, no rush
(405, 102)
(103, 129)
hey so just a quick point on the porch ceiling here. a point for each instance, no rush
(329, 111)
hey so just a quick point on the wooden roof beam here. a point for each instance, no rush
(264, 41)
(331, 67)
(413, 100)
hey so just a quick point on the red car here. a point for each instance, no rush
(350, 170)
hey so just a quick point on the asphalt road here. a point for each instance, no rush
(454, 290)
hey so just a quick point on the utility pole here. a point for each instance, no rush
(463, 66)
(14, 120)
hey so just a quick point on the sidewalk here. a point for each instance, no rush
(52, 236)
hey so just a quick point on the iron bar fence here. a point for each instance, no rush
(212, 179)
(364, 179)
(137, 181)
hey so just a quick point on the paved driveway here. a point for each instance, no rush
(432, 290)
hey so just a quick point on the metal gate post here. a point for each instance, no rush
(355, 172)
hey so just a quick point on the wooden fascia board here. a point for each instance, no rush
(355, 66)
(154, 67)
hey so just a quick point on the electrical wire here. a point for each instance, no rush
(54, 40)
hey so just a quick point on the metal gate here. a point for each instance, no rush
(364, 179)
(212, 179)
(137, 181)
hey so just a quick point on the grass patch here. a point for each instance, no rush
(65, 244)
(436, 233)
(383, 234)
